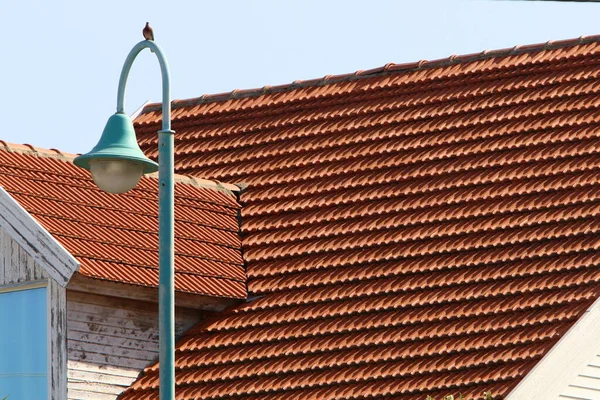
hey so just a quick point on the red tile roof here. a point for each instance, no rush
(115, 237)
(429, 228)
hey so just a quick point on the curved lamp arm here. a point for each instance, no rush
(164, 70)
(166, 220)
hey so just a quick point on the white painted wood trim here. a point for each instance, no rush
(564, 362)
(58, 315)
(36, 240)
(51, 348)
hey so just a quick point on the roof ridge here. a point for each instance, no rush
(389, 67)
(29, 149)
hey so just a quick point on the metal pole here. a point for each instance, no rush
(166, 288)
(166, 221)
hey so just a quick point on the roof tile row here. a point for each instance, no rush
(412, 230)
(115, 238)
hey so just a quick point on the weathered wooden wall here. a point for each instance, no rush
(16, 266)
(19, 269)
(110, 341)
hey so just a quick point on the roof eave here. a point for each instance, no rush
(197, 301)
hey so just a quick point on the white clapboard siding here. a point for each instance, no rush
(587, 383)
(110, 341)
(107, 375)
(571, 369)
(79, 338)
(19, 269)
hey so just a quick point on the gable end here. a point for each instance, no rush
(36, 240)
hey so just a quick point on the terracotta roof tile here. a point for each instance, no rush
(115, 238)
(428, 228)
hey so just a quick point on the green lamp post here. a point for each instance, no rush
(116, 164)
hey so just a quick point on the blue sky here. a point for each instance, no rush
(61, 59)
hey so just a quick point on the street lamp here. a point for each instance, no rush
(117, 164)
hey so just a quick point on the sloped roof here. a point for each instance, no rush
(429, 228)
(115, 237)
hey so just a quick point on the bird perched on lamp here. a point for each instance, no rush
(148, 32)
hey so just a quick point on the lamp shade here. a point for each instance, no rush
(118, 141)
(118, 145)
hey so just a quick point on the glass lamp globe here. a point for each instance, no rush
(114, 175)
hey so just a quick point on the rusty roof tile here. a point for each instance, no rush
(116, 237)
(413, 229)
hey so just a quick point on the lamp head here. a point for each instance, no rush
(117, 163)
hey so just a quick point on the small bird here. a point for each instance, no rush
(148, 32)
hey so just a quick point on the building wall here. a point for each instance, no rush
(587, 383)
(19, 269)
(110, 341)
(16, 266)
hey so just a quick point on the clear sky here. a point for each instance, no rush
(61, 59)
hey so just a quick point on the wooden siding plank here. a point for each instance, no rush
(121, 309)
(3, 235)
(109, 330)
(587, 382)
(111, 341)
(87, 395)
(115, 360)
(591, 371)
(28, 264)
(34, 269)
(96, 387)
(24, 271)
(60, 337)
(109, 370)
(133, 323)
(124, 342)
(122, 354)
(16, 262)
(575, 392)
(58, 340)
(80, 378)
(10, 275)
(566, 396)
